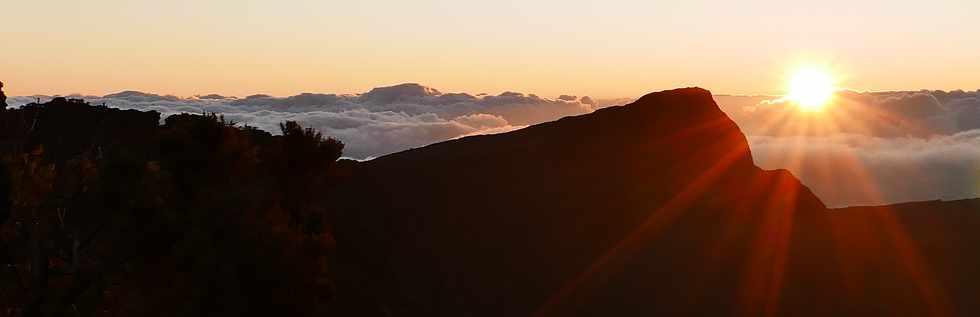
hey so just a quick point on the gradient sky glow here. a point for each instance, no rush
(612, 48)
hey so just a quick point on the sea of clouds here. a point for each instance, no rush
(866, 148)
(381, 121)
(870, 148)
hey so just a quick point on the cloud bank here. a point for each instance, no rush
(885, 114)
(381, 121)
(850, 169)
(870, 148)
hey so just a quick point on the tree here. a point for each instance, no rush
(111, 213)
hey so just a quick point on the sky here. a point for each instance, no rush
(603, 49)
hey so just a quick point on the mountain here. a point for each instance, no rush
(652, 207)
(906, 257)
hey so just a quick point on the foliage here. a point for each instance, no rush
(107, 212)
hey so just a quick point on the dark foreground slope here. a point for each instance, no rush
(923, 250)
(653, 207)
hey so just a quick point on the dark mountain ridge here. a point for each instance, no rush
(650, 208)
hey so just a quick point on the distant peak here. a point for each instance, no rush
(128, 93)
(406, 92)
(137, 96)
(213, 97)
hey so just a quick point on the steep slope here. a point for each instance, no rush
(653, 207)
(911, 257)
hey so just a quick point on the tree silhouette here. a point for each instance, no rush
(105, 211)
(3, 98)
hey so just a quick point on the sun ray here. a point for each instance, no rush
(911, 259)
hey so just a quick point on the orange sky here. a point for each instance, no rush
(612, 48)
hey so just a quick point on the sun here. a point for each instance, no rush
(811, 89)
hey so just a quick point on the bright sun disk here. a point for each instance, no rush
(811, 89)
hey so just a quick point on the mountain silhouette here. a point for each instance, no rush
(655, 207)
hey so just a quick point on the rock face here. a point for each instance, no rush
(652, 207)
(911, 259)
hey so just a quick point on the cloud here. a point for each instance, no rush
(967, 113)
(912, 105)
(870, 148)
(853, 169)
(381, 121)
(883, 114)
(369, 134)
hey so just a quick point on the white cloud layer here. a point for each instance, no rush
(381, 121)
(851, 169)
(870, 148)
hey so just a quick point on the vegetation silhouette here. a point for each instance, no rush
(3, 98)
(653, 208)
(107, 212)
